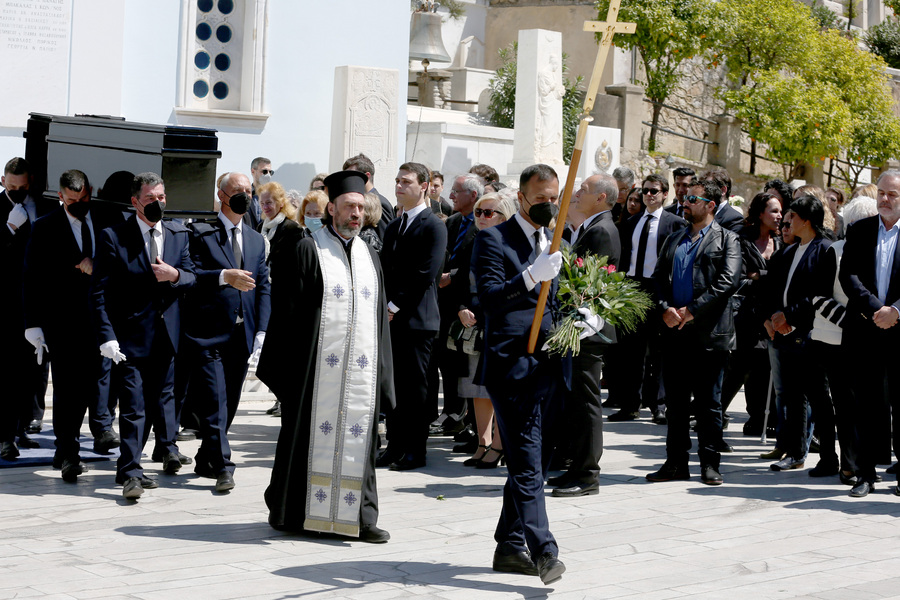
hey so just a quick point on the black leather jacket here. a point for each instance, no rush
(716, 275)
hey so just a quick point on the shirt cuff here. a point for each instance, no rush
(530, 283)
(393, 308)
(222, 277)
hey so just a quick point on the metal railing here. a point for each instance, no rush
(678, 133)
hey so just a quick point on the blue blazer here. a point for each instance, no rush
(499, 257)
(212, 309)
(129, 304)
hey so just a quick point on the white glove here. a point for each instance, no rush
(546, 266)
(35, 337)
(17, 216)
(592, 323)
(111, 350)
(257, 348)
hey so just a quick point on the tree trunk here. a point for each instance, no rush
(753, 157)
(657, 108)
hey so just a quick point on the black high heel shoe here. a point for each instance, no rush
(500, 460)
(473, 462)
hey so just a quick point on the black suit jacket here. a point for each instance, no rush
(729, 217)
(441, 206)
(601, 238)
(805, 284)
(456, 295)
(857, 276)
(716, 275)
(673, 208)
(412, 264)
(212, 309)
(56, 293)
(499, 258)
(129, 304)
(668, 224)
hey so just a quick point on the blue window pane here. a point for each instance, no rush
(204, 5)
(220, 90)
(204, 31)
(223, 33)
(222, 62)
(201, 59)
(201, 88)
(225, 6)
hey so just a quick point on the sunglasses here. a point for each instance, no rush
(487, 213)
(695, 199)
(785, 225)
(650, 192)
(268, 171)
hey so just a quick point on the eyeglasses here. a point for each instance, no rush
(695, 199)
(267, 171)
(784, 225)
(650, 192)
(487, 213)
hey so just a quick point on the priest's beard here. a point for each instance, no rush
(348, 229)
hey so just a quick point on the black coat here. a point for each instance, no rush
(601, 238)
(729, 217)
(457, 294)
(668, 224)
(716, 274)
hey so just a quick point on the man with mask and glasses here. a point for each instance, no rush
(226, 315)
(142, 267)
(261, 171)
(509, 262)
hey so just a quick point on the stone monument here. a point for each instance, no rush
(539, 92)
(364, 119)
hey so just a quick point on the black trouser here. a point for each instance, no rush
(408, 422)
(77, 375)
(876, 384)
(749, 368)
(634, 376)
(579, 433)
(22, 379)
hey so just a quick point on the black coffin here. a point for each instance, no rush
(185, 157)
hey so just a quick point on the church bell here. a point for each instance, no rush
(425, 41)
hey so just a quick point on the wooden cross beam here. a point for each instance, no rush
(609, 28)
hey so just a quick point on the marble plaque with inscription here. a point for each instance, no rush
(34, 54)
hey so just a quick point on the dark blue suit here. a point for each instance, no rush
(212, 332)
(80, 373)
(523, 387)
(143, 315)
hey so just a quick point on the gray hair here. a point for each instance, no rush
(505, 204)
(889, 173)
(606, 185)
(472, 183)
(294, 197)
(623, 175)
(142, 179)
(860, 208)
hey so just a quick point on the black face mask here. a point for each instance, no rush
(543, 213)
(17, 196)
(79, 210)
(153, 212)
(239, 203)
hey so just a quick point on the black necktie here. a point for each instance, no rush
(537, 247)
(154, 251)
(87, 246)
(236, 247)
(642, 248)
(403, 221)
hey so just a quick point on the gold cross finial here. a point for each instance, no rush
(609, 28)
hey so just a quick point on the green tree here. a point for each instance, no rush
(668, 33)
(884, 40)
(502, 107)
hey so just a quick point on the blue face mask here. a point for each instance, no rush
(313, 223)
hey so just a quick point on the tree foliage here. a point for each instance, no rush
(668, 33)
(884, 40)
(502, 107)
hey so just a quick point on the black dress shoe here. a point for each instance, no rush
(158, 456)
(659, 417)
(132, 489)
(71, 469)
(466, 447)
(27, 442)
(408, 463)
(106, 441)
(710, 475)
(35, 426)
(751, 428)
(550, 568)
(466, 435)
(724, 447)
(203, 469)
(824, 470)
(518, 562)
(623, 415)
(610, 403)
(892, 470)
(861, 489)
(275, 408)
(9, 450)
(224, 482)
(186, 435)
(579, 489)
(850, 480)
(171, 464)
(373, 535)
(387, 457)
(669, 472)
(560, 480)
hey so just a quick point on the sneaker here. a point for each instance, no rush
(787, 463)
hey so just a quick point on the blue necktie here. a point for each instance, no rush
(463, 230)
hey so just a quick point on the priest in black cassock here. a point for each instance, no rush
(328, 359)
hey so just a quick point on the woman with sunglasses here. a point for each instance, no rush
(748, 365)
(491, 209)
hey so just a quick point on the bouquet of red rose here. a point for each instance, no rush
(593, 284)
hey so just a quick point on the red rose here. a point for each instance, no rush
(579, 262)
(611, 269)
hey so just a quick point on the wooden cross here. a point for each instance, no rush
(609, 28)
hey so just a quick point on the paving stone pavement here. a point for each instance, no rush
(760, 535)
